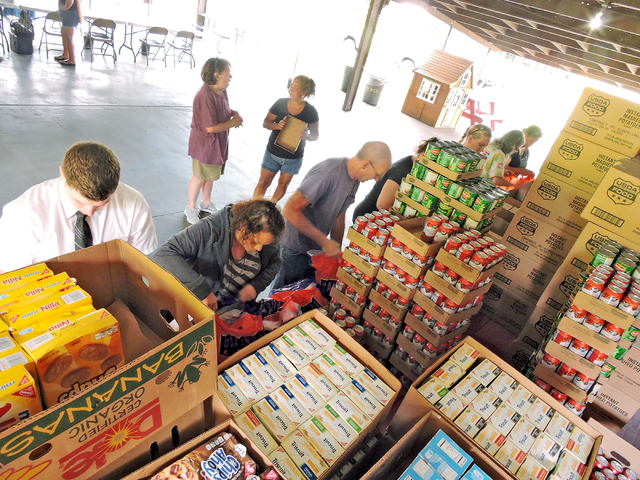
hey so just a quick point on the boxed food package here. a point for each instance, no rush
(523, 276)
(22, 276)
(32, 292)
(18, 395)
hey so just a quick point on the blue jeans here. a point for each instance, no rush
(295, 266)
(274, 164)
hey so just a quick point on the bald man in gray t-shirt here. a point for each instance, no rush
(318, 208)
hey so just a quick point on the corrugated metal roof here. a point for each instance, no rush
(444, 67)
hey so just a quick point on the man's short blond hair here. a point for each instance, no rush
(92, 169)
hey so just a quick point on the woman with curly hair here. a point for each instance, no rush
(499, 155)
(233, 252)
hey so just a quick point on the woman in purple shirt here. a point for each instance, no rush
(209, 139)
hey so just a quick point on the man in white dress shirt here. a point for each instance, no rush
(44, 221)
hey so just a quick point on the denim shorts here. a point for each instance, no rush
(286, 165)
(70, 18)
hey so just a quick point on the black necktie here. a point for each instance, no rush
(83, 235)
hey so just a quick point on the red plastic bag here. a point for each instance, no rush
(231, 338)
(326, 267)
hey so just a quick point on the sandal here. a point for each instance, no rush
(65, 63)
(60, 58)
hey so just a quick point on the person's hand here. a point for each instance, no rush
(331, 248)
(304, 133)
(281, 124)
(236, 121)
(247, 293)
(211, 301)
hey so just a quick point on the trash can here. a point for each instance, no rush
(346, 78)
(373, 90)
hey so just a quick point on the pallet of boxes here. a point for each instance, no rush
(548, 238)
(514, 429)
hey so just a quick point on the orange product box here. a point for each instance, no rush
(65, 320)
(48, 307)
(18, 396)
(19, 278)
(72, 359)
(33, 292)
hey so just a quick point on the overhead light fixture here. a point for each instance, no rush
(596, 21)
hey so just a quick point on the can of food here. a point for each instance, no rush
(470, 224)
(411, 362)
(483, 203)
(608, 474)
(396, 245)
(542, 384)
(341, 286)
(426, 289)
(419, 260)
(389, 267)
(406, 187)
(455, 225)
(401, 353)
(417, 194)
(455, 190)
(370, 230)
(444, 209)
(630, 474)
(400, 275)
(459, 164)
(368, 327)
(445, 157)
(576, 313)
(468, 196)
(390, 295)
(574, 406)
(452, 244)
(419, 341)
(566, 372)
(631, 333)
(360, 223)
(601, 462)
(596, 357)
(582, 381)
(377, 334)
(458, 216)
(444, 232)
(417, 311)
(366, 279)
(375, 261)
(350, 321)
(479, 261)
(419, 170)
(562, 338)
(449, 306)
(430, 201)
(401, 302)
(451, 277)
(437, 297)
(357, 273)
(394, 322)
(380, 287)
(597, 475)
(612, 332)
(359, 299)
(616, 467)
(625, 265)
(464, 285)
(430, 350)
(374, 307)
(465, 252)
(630, 304)
(558, 396)
(433, 151)
(491, 256)
(550, 361)
(384, 315)
(593, 322)
(442, 183)
(612, 295)
(579, 347)
(593, 286)
(439, 268)
(431, 177)
(381, 237)
(408, 332)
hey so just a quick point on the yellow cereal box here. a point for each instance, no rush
(72, 359)
(22, 276)
(51, 306)
(18, 396)
(34, 291)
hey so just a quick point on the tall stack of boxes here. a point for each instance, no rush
(548, 240)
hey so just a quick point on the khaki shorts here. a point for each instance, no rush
(206, 172)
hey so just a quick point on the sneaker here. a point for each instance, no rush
(192, 215)
(211, 208)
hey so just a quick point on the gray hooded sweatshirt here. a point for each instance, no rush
(197, 255)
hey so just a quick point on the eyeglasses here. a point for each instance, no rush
(378, 175)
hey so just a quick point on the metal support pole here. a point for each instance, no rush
(375, 7)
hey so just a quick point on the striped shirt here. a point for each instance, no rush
(237, 273)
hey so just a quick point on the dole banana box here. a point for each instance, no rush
(231, 395)
(51, 306)
(376, 386)
(305, 342)
(18, 396)
(34, 291)
(251, 425)
(285, 466)
(345, 431)
(274, 418)
(247, 381)
(345, 360)
(579, 162)
(320, 439)
(264, 372)
(22, 276)
(349, 411)
(304, 455)
(291, 406)
(332, 371)
(274, 357)
(293, 352)
(73, 359)
(318, 334)
(66, 320)
(606, 120)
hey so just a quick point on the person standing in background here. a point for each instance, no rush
(520, 157)
(209, 138)
(499, 154)
(277, 159)
(71, 13)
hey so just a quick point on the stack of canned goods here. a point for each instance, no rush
(480, 252)
(445, 303)
(406, 251)
(571, 404)
(434, 325)
(391, 294)
(363, 254)
(385, 316)
(614, 285)
(376, 226)
(610, 469)
(425, 347)
(454, 156)
(349, 324)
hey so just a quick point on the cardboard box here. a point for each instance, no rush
(578, 162)
(169, 343)
(537, 327)
(440, 315)
(585, 247)
(443, 197)
(353, 282)
(431, 336)
(436, 167)
(560, 203)
(591, 338)
(626, 376)
(452, 292)
(414, 406)
(573, 360)
(409, 232)
(353, 348)
(603, 310)
(404, 263)
(556, 381)
(380, 324)
(346, 302)
(363, 242)
(618, 404)
(463, 269)
(606, 120)
(507, 308)
(614, 206)
(522, 275)
(360, 263)
(533, 236)
(392, 308)
(418, 207)
(403, 367)
(397, 286)
(559, 289)
(227, 426)
(617, 447)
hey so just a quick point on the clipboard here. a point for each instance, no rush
(289, 137)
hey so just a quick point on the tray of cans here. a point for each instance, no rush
(448, 294)
(406, 206)
(378, 318)
(372, 231)
(380, 347)
(404, 365)
(347, 302)
(561, 389)
(423, 357)
(398, 280)
(428, 329)
(388, 299)
(472, 264)
(361, 259)
(423, 300)
(456, 170)
(355, 279)
(453, 158)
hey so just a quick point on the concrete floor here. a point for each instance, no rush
(144, 112)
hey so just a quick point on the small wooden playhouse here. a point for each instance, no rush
(440, 90)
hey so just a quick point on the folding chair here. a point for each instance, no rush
(156, 37)
(102, 30)
(52, 28)
(183, 41)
